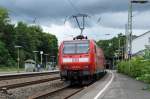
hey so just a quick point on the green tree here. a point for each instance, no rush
(6, 38)
(29, 37)
(111, 46)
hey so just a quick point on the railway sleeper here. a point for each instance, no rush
(4, 90)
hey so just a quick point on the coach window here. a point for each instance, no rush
(95, 48)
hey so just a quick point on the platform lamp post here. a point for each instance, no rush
(46, 60)
(41, 53)
(130, 21)
(18, 56)
(53, 60)
(35, 56)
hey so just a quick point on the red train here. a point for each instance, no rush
(80, 59)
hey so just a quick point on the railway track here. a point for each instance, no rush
(60, 93)
(25, 75)
(8, 81)
(50, 87)
(64, 92)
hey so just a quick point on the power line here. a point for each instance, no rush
(73, 6)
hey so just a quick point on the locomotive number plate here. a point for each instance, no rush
(68, 60)
(75, 59)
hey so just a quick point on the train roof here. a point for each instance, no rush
(79, 40)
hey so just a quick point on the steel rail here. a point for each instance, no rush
(46, 93)
(26, 75)
(49, 92)
(67, 97)
(23, 84)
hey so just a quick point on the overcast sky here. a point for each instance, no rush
(50, 15)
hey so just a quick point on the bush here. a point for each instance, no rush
(138, 68)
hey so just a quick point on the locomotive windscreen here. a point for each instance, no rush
(76, 47)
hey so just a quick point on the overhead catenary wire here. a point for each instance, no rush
(73, 6)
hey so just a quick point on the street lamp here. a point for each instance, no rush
(18, 58)
(130, 21)
(35, 58)
(46, 59)
(53, 60)
(41, 52)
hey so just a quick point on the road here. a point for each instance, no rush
(115, 86)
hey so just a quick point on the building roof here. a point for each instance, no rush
(29, 61)
(142, 34)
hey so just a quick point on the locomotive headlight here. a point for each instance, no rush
(66, 60)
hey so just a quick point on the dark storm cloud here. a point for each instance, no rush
(55, 11)
(61, 8)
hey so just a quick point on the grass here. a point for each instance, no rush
(10, 69)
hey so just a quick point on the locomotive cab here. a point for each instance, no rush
(78, 59)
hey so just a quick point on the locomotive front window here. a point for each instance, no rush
(76, 47)
(82, 48)
(69, 48)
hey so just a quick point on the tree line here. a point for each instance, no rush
(113, 47)
(30, 37)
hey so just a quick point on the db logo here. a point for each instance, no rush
(75, 60)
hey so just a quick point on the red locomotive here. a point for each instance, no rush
(80, 59)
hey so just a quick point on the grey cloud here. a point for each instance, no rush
(54, 11)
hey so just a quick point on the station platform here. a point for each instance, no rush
(115, 86)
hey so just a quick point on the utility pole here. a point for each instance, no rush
(130, 25)
(130, 29)
(126, 42)
(130, 22)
